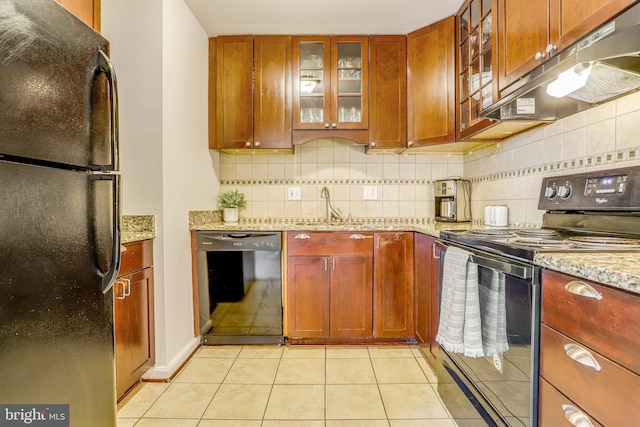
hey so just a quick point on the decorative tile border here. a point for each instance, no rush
(565, 165)
(327, 182)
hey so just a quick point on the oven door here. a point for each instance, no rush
(499, 390)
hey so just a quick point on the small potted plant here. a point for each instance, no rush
(230, 201)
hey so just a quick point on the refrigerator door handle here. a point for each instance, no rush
(107, 68)
(110, 276)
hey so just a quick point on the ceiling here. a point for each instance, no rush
(296, 17)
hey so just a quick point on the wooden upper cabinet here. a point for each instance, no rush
(571, 19)
(431, 85)
(476, 72)
(387, 92)
(522, 38)
(531, 32)
(253, 92)
(272, 103)
(87, 10)
(331, 87)
(234, 81)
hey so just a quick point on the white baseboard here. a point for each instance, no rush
(160, 372)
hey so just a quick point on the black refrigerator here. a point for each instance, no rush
(59, 220)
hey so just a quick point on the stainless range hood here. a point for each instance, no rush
(608, 59)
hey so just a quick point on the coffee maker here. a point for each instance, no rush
(453, 200)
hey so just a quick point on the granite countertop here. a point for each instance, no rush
(621, 269)
(212, 221)
(134, 228)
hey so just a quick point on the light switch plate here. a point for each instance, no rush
(294, 193)
(370, 192)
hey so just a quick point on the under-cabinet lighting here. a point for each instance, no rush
(570, 80)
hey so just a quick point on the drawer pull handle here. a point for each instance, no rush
(582, 356)
(583, 289)
(357, 237)
(302, 236)
(575, 416)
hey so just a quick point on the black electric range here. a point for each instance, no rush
(594, 211)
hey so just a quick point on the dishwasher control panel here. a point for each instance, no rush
(238, 241)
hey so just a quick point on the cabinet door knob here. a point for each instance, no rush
(539, 56)
(256, 144)
(326, 125)
(575, 416)
(410, 144)
(582, 289)
(302, 236)
(551, 48)
(333, 125)
(247, 144)
(582, 356)
(372, 144)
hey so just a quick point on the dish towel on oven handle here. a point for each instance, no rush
(459, 329)
(494, 314)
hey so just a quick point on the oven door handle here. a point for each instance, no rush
(521, 271)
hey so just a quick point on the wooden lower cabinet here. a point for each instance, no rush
(557, 407)
(133, 315)
(87, 10)
(308, 287)
(350, 313)
(426, 294)
(393, 285)
(588, 352)
(329, 285)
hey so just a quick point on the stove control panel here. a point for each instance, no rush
(606, 185)
(607, 190)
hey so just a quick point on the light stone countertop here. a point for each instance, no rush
(134, 228)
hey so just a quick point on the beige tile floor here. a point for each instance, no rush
(299, 386)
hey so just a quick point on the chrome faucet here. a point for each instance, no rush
(331, 212)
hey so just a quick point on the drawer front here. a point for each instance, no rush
(608, 325)
(555, 408)
(301, 243)
(136, 256)
(603, 388)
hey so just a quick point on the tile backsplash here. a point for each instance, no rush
(510, 173)
(403, 183)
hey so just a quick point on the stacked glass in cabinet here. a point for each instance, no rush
(331, 78)
(475, 46)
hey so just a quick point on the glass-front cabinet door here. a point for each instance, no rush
(350, 89)
(476, 71)
(331, 90)
(312, 82)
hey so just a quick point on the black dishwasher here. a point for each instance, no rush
(239, 278)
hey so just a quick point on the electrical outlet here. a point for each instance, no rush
(294, 193)
(370, 192)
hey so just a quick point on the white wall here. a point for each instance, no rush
(189, 178)
(160, 53)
